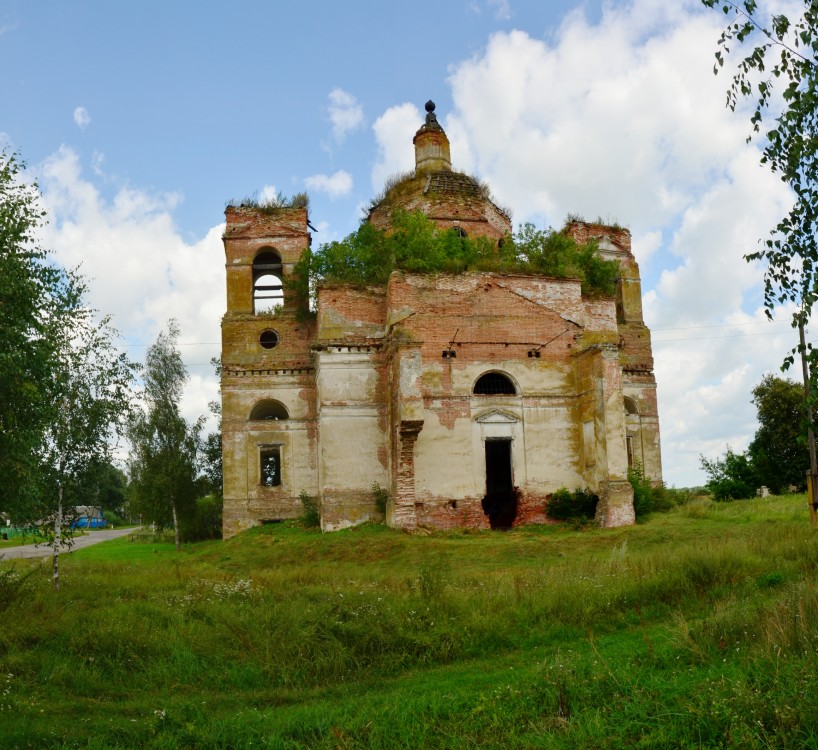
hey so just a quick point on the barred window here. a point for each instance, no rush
(270, 466)
(494, 384)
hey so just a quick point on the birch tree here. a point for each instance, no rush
(33, 293)
(89, 398)
(164, 446)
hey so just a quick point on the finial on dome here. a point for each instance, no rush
(431, 144)
(431, 117)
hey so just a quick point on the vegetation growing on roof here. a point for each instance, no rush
(406, 183)
(394, 186)
(415, 244)
(572, 218)
(271, 205)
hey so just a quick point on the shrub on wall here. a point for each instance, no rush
(648, 498)
(565, 505)
(417, 245)
(381, 498)
(311, 513)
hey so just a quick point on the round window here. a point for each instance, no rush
(268, 339)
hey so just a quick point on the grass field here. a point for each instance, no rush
(696, 629)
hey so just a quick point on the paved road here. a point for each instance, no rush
(91, 537)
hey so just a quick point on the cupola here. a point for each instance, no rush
(431, 145)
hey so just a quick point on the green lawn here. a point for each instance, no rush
(696, 629)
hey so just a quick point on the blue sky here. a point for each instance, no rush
(140, 120)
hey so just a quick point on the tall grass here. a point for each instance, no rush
(695, 629)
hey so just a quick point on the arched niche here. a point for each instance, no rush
(269, 410)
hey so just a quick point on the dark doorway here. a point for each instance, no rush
(500, 502)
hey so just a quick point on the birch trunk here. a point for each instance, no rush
(57, 538)
(175, 525)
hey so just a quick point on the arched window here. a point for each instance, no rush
(268, 291)
(633, 432)
(269, 410)
(460, 232)
(494, 384)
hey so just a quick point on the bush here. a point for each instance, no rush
(381, 497)
(311, 514)
(415, 244)
(643, 499)
(732, 477)
(206, 520)
(565, 505)
(113, 519)
(649, 498)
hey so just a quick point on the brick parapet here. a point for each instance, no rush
(583, 231)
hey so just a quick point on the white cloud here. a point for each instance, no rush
(625, 119)
(81, 118)
(394, 131)
(558, 130)
(268, 194)
(97, 160)
(645, 245)
(140, 269)
(345, 113)
(335, 185)
(502, 9)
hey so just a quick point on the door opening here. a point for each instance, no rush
(500, 502)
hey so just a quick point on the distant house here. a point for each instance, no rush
(88, 517)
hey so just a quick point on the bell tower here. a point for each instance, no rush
(267, 370)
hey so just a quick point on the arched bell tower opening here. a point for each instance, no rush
(268, 288)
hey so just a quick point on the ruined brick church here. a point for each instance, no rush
(468, 398)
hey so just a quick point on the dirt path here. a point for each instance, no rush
(89, 538)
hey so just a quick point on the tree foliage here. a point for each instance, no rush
(212, 453)
(416, 245)
(164, 446)
(731, 477)
(88, 400)
(212, 444)
(779, 451)
(109, 489)
(781, 77)
(777, 456)
(34, 293)
(64, 388)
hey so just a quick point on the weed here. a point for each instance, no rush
(381, 498)
(311, 512)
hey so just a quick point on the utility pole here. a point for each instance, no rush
(812, 474)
